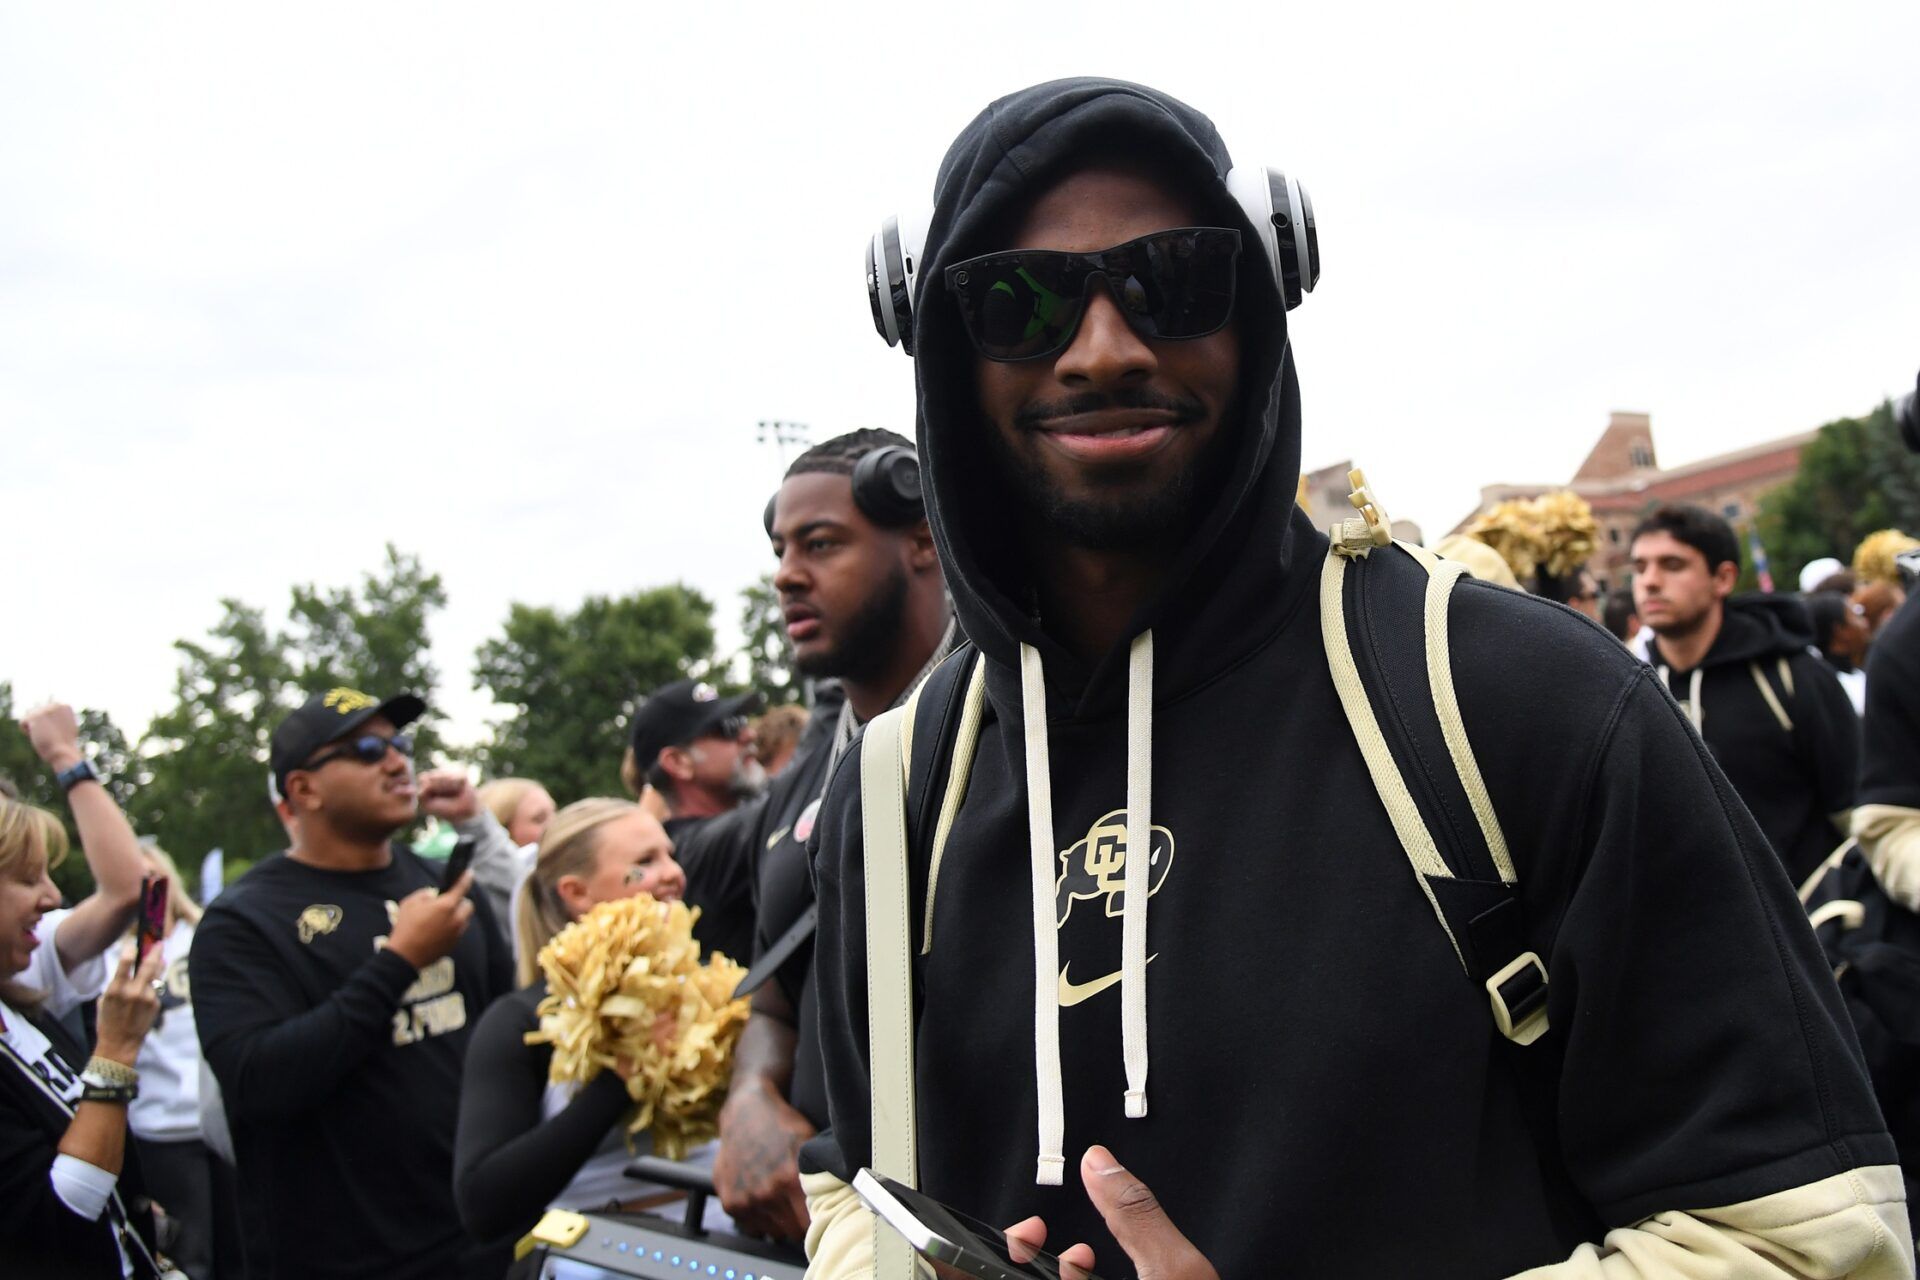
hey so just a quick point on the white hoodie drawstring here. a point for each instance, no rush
(1046, 942)
(1696, 710)
(1133, 921)
(1136, 888)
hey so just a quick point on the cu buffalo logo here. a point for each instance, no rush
(1096, 867)
(320, 918)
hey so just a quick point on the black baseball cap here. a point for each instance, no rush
(329, 717)
(675, 714)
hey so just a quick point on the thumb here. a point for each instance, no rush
(1139, 1225)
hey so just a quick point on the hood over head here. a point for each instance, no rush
(1228, 586)
(1015, 150)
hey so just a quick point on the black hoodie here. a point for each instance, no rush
(1779, 723)
(1326, 1093)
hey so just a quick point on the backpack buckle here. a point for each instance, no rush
(1519, 995)
(1356, 536)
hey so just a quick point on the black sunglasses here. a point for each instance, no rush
(369, 748)
(730, 728)
(1027, 304)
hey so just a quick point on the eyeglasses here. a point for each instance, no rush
(369, 748)
(1028, 303)
(730, 728)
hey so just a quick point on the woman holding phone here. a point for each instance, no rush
(71, 1202)
(524, 1145)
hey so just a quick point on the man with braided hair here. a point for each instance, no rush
(864, 603)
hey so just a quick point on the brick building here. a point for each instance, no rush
(1622, 480)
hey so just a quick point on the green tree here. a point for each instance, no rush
(108, 749)
(769, 660)
(204, 760)
(570, 679)
(373, 639)
(1855, 476)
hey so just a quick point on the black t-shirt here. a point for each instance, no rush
(339, 1065)
(1890, 772)
(715, 852)
(783, 888)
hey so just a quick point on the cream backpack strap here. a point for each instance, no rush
(1473, 892)
(883, 822)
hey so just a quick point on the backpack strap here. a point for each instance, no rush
(1772, 698)
(898, 756)
(1404, 711)
(883, 820)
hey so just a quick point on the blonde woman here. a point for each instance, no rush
(71, 1203)
(524, 1145)
(521, 805)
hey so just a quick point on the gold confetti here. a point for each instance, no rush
(625, 984)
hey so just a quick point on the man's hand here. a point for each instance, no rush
(429, 922)
(54, 731)
(757, 1171)
(1154, 1245)
(448, 794)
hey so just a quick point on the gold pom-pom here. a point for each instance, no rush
(1555, 532)
(625, 984)
(1873, 558)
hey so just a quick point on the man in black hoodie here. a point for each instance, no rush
(1294, 1062)
(1775, 715)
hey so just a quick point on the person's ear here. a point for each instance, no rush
(921, 556)
(1725, 575)
(677, 762)
(301, 795)
(574, 895)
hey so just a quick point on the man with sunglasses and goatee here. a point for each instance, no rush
(334, 986)
(1170, 936)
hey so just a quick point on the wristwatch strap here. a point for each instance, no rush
(73, 775)
(111, 1072)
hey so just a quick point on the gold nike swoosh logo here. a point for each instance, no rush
(1072, 993)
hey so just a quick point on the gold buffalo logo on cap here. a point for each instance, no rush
(321, 917)
(348, 701)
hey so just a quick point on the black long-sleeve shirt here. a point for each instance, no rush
(509, 1161)
(339, 1065)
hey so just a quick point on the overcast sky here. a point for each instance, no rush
(510, 285)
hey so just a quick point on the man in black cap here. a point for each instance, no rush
(334, 986)
(695, 748)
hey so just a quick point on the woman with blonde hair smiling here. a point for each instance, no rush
(70, 1201)
(524, 1145)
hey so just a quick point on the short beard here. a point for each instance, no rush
(1132, 522)
(1681, 628)
(868, 639)
(748, 780)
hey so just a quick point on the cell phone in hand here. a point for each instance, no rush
(150, 930)
(955, 1243)
(458, 861)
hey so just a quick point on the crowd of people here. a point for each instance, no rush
(1189, 889)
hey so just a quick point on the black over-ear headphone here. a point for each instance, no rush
(886, 488)
(1276, 205)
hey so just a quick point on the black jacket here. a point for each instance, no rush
(1795, 780)
(1326, 1092)
(39, 1235)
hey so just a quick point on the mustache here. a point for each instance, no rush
(1035, 416)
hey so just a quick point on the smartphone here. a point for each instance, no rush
(458, 861)
(151, 928)
(949, 1238)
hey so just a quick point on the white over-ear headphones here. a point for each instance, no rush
(1276, 205)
